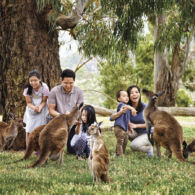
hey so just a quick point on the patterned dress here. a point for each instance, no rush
(32, 118)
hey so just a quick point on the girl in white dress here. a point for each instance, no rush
(36, 94)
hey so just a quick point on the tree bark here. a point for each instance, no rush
(167, 76)
(27, 44)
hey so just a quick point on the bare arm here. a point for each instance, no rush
(137, 126)
(52, 110)
(29, 102)
(116, 115)
(77, 130)
(43, 103)
(122, 111)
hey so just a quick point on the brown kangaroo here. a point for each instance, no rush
(9, 132)
(53, 137)
(188, 149)
(33, 144)
(99, 156)
(167, 131)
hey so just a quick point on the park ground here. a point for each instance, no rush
(134, 173)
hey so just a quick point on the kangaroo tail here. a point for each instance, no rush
(42, 158)
(179, 155)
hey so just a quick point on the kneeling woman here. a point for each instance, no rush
(79, 140)
(137, 126)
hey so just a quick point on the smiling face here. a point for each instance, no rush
(35, 82)
(123, 97)
(68, 84)
(134, 96)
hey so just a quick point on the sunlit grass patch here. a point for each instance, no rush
(134, 173)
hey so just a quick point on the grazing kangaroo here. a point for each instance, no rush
(99, 156)
(167, 131)
(9, 132)
(188, 149)
(53, 137)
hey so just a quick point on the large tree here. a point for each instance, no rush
(29, 40)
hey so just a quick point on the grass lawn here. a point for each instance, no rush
(133, 173)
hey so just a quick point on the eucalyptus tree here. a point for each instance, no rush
(29, 40)
(115, 28)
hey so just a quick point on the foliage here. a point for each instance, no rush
(144, 56)
(115, 77)
(183, 99)
(113, 30)
(132, 174)
(121, 75)
(189, 75)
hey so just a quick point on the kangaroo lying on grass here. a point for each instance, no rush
(9, 132)
(188, 149)
(53, 137)
(99, 156)
(167, 131)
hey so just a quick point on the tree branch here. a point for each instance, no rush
(69, 22)
(80, 65)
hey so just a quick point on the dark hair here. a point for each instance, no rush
(30, 74)
(68, 73)
(118, 93)
(91, 117)
(140, 105)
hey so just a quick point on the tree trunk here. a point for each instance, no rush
(27, 44)
(167, 77)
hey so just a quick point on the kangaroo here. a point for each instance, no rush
(9, 132)
(53, 137)
(98, 160)
(167, 132)
(33, 144)
(188, 149)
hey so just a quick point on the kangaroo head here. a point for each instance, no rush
(188, 149)
(185, 150)
(94, 128)
(150, 95)
(17, 121)
(74, 115)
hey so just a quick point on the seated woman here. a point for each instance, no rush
(79, 140)
(137, 127)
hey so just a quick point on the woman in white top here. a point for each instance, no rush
(36, 94)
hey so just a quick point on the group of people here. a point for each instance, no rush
(43, 105)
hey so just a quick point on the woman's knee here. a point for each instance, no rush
(134, 146)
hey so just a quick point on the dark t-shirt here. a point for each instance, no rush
(123, 120)
(139, 119)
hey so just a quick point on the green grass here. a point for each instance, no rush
(133, 173)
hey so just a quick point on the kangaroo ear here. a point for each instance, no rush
(11, 114)
(160, 93)
(81, 105)
(184, 144)
(100, 123)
